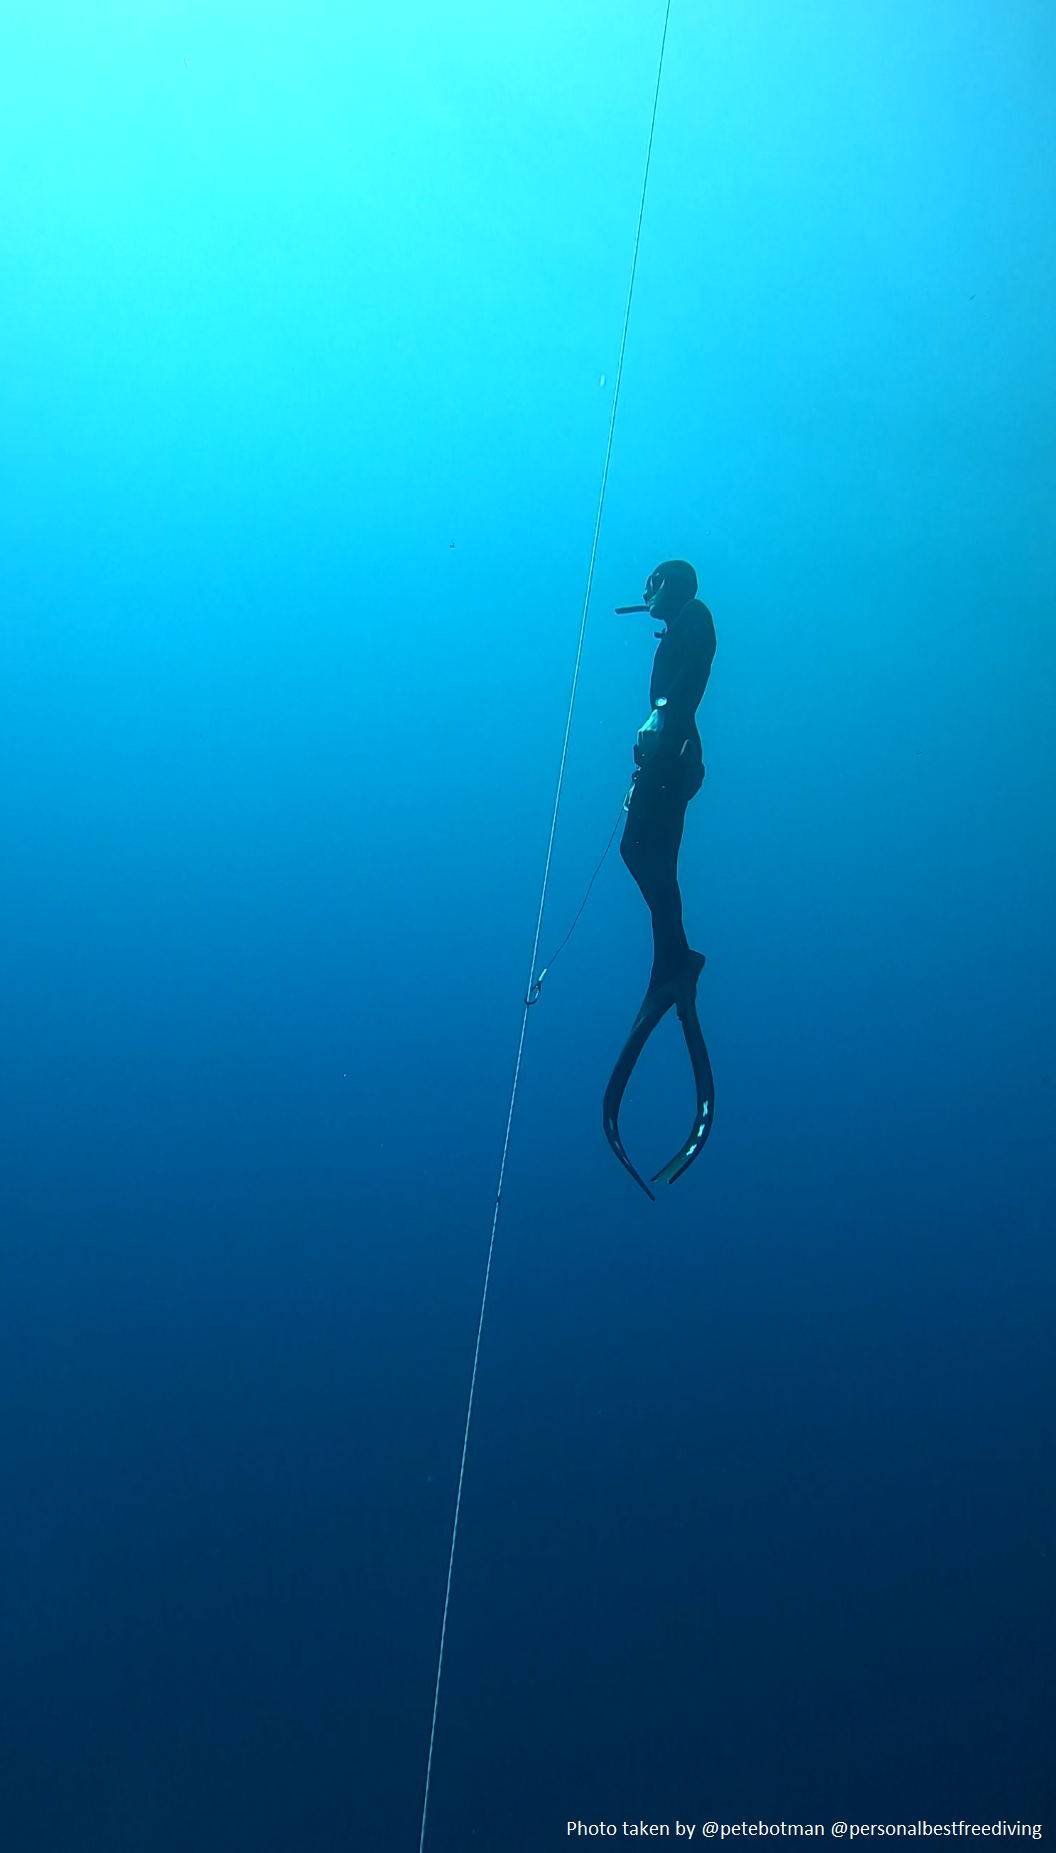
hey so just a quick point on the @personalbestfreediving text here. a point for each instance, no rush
(727, 1830)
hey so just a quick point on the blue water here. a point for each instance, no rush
(310, 324)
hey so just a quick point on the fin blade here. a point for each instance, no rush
(655, 1006)
(704, 1084)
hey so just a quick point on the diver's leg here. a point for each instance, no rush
(651, 840)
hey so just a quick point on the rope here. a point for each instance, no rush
(538, 933)
(533, 995)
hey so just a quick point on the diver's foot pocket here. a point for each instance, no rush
(693, 966)
(678, 984)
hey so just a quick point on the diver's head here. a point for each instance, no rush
(668, 588)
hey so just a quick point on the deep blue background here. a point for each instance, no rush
(759, 1507)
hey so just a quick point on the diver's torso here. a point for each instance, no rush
(687, 645)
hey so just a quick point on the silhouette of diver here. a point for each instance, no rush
(669, 772)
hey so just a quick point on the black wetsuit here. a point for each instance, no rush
(669, 774)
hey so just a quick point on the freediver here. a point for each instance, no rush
(669, 771)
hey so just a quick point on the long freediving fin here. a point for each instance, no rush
(704, 1085)
(682, 992)
(656, 1004)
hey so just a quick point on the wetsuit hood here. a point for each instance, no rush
(678, 580)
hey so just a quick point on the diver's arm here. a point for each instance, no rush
(685, 691)
(650, 740)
